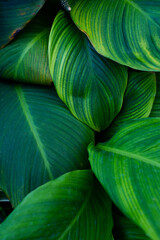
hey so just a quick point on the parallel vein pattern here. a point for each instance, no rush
(90, 85)
(74, 206)
(156, 105)
(40, 139)
(138, 100)
(30, 121)
(26, 58)
(128, 167)
(125, 31)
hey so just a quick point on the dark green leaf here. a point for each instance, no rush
(156, 105)
(126, 31)
(128, 167)
(39, 140)
(26, 58)
(14, 15)
(72, 207)
(90, 85)
(124, 229)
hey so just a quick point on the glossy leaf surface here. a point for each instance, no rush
(14, 15)
(138, 100)
(156, 105)
(74, 206)
(126, 31)
(128, 167)
(39, 141)
(90, 85)
(26, 58)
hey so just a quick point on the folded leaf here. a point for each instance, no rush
(138, 100)
(124, 229)
(26, 58)
(128, 167)
(73, 206)
(126, 31)
(14, 15)
(90, 85)
(156, 105)
(39, 141)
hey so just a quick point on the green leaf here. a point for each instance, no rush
(72, 207)
(90, 85)
(111, 237)
(156, 105)
(14, 15)
(124, 229)
(138, 100)
(39, 141)
(128, 167)
(26, 58)
(126, 31)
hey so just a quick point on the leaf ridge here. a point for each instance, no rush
(77, 215)
(32, 126)
(29, 45)
(130, 155)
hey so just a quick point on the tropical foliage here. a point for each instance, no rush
(80, 120)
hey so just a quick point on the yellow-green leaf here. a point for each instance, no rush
(126, 31)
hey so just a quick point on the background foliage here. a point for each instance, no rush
(80, 120)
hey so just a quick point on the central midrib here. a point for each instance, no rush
(77, 215)
(32, 127)
(129, 155)
(27, 48)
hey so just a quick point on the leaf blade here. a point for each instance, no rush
(125, 166)
(91, 86)
(124, 31)
(73, 193)
(14, 16)
(138, 100)
(40, 139)
(26, 58)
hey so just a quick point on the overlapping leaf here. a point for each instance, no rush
(26, 58)
(138, 100)
(126, 31)
(74, 206)
(90, 85)
(128, 166)
(14, 15)
(39, 139)
(126, 230)
(156, 105)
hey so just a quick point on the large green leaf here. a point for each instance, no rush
(26, 58)
(156, 105)
(14, 14)
(128, 167)
(39, 140)
(126, 31)
(72, 207)
(124, 229)
(138, 100)
(90, 85)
